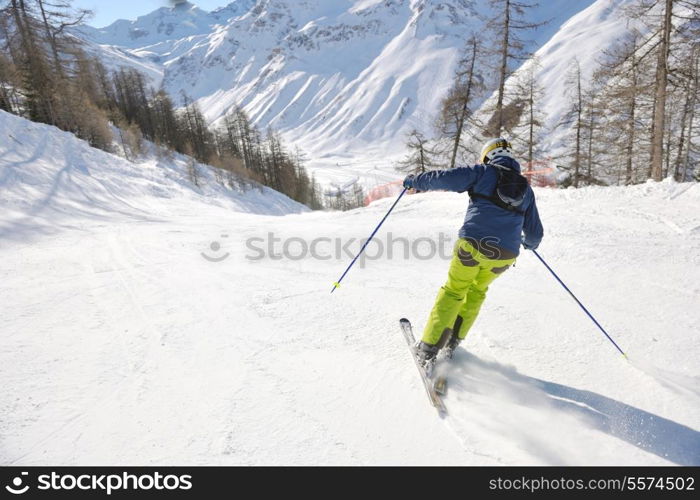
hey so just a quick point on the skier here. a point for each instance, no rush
(501, 216)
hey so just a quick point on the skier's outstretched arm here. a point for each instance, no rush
(532, 227)
(458, 179)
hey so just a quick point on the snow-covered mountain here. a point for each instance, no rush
(584, 37)
(147, 321)
(345, 79)
(167, 23)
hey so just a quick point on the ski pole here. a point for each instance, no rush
(337, 283)
(579, 303)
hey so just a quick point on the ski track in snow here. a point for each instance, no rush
(122, 344)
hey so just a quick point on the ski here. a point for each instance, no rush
(433, 395)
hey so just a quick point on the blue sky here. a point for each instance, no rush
(108, 11)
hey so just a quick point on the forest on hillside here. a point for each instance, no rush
(634, 118)
(47, 77)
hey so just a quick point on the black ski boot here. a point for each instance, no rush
(452, 344)
(426, 356)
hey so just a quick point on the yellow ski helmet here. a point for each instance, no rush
(494, 148)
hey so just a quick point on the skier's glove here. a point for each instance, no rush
(408, 181)
(527, 246)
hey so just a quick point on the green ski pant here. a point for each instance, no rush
(459, 300)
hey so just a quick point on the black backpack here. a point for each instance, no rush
(510, 191)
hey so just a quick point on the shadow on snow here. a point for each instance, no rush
(654, 434)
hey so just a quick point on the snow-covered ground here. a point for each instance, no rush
(50, 178)
(123, 341)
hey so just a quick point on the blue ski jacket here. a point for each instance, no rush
(485, 220)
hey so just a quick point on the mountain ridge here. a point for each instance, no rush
(344, 81)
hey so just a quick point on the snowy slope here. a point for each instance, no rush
(344, 80)
(50, 178)
(123, 344)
